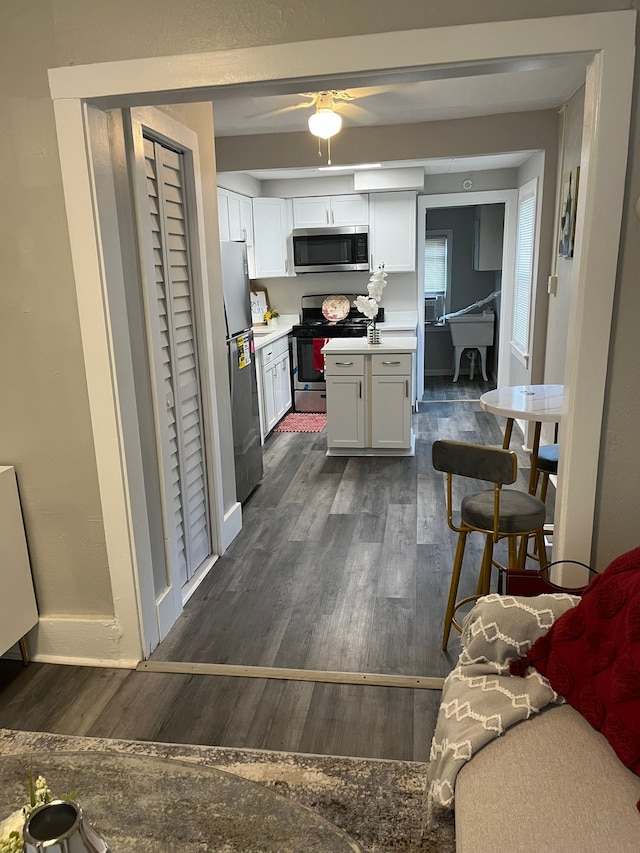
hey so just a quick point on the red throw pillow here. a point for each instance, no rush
(591, 656)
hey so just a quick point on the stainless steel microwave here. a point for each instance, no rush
(344, 249)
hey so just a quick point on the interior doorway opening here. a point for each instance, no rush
(598, 233)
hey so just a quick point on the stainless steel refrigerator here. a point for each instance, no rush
(245, 416)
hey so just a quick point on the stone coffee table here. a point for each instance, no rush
(144, 803)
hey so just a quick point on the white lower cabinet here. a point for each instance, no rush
(390, 412)
(345, 401)
(274, 383)
(369, 403)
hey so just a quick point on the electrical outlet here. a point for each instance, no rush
(552, 285)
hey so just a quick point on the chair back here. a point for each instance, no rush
(478, 461)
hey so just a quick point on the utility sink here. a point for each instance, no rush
(472, 330)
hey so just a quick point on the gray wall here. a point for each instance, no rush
(467, 285)
(45, 430)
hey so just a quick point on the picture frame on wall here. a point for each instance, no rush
(567, 221)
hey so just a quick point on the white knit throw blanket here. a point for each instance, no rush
(480, 699)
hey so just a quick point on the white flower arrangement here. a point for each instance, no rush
(368, 305)
(11, 840)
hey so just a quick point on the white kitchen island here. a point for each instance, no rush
(369, 396)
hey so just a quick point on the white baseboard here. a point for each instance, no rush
(88, 641)
(231, 526)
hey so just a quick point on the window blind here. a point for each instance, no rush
(435, 264)
(524, 270)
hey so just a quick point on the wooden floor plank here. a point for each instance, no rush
(343, 565)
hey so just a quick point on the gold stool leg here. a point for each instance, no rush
(513, 551)
(542, 548)
(484, 579)
(533, 475)
(453, 589)
(543, 488)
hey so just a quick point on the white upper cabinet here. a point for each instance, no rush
(392, 231)
(320, 211)
(235, 214)
(223, 215)
(271, 237)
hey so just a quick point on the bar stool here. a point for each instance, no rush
(497, 513)
(546, 464)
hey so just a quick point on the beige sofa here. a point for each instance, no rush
(550, 783)
(525, 772)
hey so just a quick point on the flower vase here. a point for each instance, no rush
(373, 334)
(60, 827)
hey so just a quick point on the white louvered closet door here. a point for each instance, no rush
(179, 416)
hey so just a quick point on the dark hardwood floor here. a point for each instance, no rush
(343, 564)
(439, 388)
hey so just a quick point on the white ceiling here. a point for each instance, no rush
(399, 99)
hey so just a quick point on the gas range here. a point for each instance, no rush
(309, 384)
(314, 325)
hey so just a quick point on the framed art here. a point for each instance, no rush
(568, 213)
(259, 306)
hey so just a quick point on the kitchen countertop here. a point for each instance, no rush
(341, 346)
(285, 323)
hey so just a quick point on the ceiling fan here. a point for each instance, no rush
(326, 121)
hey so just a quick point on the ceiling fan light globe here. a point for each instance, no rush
(325, 123)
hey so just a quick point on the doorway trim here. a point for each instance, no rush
(609, 37)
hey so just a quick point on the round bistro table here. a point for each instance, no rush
(537, 403)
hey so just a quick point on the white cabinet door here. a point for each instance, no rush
(390, 412)
(270, 413)
(350, 209)
(246, 219)
(282, 385)
(319, 211)
(392, 231)
(345, 411)
(235, 214)
(270, 237)
(223, 215)
(311, 212)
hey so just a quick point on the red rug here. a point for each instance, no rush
(302, 422)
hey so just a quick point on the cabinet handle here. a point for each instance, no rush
(326, 216)
(407, 383)
(360, 389)
(344, 363)
(391, 362)
(286, 264)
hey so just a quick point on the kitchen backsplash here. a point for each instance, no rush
(285, 293)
